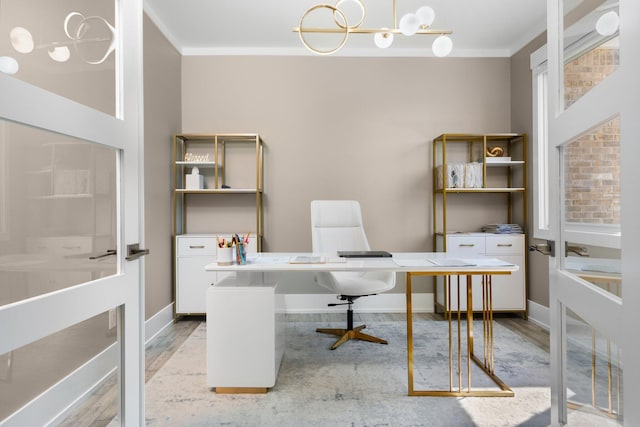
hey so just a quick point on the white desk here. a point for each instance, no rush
(244, 310)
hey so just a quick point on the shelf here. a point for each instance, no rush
(494, 163)
(197, 164)
(218, 191)
(482, 190)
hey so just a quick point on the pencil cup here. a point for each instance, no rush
(225, 255)
(241, 253)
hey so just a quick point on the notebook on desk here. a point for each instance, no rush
(364, 254)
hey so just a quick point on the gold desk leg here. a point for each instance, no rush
(469, 329)
(447, 279)
(486, 365)
(409, 336)
(459, 338)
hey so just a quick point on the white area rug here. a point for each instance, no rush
(359, 384)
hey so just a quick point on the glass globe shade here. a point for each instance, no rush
(608, 23)
(21, 40)
(59, 54)
(442, 46)
(409, 24)
(351, 9)
(8, 65)
(425, 15)
(383, 40)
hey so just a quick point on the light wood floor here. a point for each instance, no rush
(100, 408)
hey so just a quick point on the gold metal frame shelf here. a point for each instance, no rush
(218, 191)
(215, 162)
(503, 163)
(481, 190)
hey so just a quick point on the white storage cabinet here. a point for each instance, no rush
(509, 291)
(193, 252)
(251, 316)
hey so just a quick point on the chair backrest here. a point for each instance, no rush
(336, 225)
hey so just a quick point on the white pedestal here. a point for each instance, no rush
(245, 335)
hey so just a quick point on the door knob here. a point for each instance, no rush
(548, 248)
(134, 252)
(106, 254)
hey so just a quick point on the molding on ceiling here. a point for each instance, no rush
(345, 52)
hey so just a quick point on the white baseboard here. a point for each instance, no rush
(157, 323)
(539, 314)
(56, 403)
(381, 303)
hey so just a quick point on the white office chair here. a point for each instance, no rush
(336, 225)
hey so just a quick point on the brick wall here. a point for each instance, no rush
(592, 162)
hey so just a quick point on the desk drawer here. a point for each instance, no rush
(465, 245)
(505, 245)
(196, 245)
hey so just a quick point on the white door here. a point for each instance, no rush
(71, 305)
(593, 129)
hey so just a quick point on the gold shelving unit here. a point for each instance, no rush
(487, 164)
(210, 153)
(505, 174)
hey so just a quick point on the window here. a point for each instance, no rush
(589, 59)
(541, 196)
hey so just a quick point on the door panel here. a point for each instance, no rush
(73, 183)
(62, 221)
(592, 206)
(61, 212)
(594, 374)
(30, 370)
(588, 117)
(591, 46)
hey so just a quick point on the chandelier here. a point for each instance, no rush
(338, 25)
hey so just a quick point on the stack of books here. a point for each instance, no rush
(502, 229)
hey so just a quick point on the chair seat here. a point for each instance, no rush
(355, 283)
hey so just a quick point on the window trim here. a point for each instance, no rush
(544, 198)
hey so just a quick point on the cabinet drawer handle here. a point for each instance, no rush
(196, 246)
(70, 247)
(505, 245)
(466, 245)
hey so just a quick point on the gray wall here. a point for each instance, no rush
(162, 118)
(356, 128)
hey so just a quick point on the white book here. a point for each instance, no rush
(308, 259)
(450, 262)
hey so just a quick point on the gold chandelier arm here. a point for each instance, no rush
(395, 14)
(342, 30)
(365, 30)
